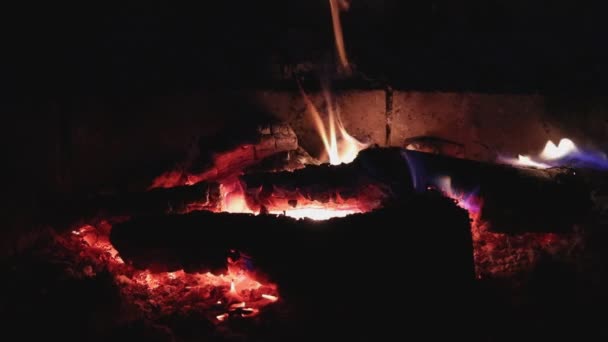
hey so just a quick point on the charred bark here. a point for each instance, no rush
(514, 199)
(228, 155)
(376, 176)
(203, 195)
(339, 266)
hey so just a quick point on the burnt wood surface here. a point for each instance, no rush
(515, 199)
(70, 214)
(364, 269)
(227, 155)
(375, 176)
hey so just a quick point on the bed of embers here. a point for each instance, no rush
(257, 240)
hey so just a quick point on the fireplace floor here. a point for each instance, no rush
(47, 291)
(555, 304)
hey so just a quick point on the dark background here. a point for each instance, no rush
(522, 46)
(98, 73)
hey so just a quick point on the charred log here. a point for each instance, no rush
(342, 265)
(227, 156)
(201, 196)
(375, 176)
(515, 199)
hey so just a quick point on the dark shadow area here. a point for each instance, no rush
(99, 99)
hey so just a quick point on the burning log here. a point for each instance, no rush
(332, 266)
(201, 196)
(231, 156)
(514, 199)
(372, 178)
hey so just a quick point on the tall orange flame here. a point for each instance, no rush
(340, 146)
(338, 36)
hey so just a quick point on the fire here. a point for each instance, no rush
(233, 198)
(340, 146)
(234, 294)
(565, 153)
(552, 151)
(551, 155)
(527, 161)
(495, 254)
(270, 297)
(335, 7)
(469, 202)
(234, 201)
(317, 214)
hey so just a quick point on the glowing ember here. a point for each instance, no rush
(233, 198)
(317, 214)
(229, 293)
(270, 297)
(340, 146)
(336, 6)
(499, 255)
(233, 201)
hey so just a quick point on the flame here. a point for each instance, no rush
(552, 151)
(233, 198)
(270, 297)
(469, 202)
(527, 161)
(234, 201)
(317, 214)
(338, 36)
(499, 255)
(340, 146)
(550, 156)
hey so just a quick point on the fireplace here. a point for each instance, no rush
(231, 174)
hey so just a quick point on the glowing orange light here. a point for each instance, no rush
(233, 200)
(338, 36)
(340, 146)
(317, 214)
(270, 297)
(243, 287)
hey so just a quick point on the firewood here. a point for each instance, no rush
(424, 237)
(374, 177)
(110, 207)
(228, 155)
(514, 199)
